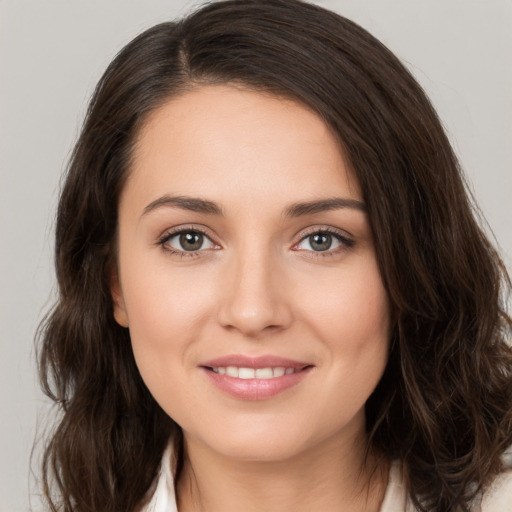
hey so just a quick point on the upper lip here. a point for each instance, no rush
(264, 361)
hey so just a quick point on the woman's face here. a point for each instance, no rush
(247, 275)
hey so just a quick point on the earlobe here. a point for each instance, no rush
(118, 305)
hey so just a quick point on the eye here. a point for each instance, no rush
(185, 241)
(324, 241)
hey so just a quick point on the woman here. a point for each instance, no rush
(273, 291)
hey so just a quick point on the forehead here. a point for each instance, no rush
(229, 142)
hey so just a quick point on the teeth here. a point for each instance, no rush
(264, 373)
(254, 373)
(279, 371)
(246, 373)
(232, 371)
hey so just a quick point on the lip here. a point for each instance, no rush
(255, 389)
(255, 362)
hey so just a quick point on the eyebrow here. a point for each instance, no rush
(194, 204)
(323, 205)
(298, 209)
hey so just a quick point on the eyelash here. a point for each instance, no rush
(346, 242)
(179, 231)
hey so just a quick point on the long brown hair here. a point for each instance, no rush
(443, 406)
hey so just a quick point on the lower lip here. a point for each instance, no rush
(255, 389)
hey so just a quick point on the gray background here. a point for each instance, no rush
(52, 52)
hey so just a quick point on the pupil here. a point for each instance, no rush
(320, 242)
(191, 241)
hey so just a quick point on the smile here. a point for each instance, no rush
(254, 373)
(254, 378)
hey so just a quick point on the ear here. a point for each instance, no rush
(119, 307)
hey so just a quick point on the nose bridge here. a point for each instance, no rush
(253, 301)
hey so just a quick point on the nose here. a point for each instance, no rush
(254, 299)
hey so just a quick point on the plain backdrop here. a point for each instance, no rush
(52, 52)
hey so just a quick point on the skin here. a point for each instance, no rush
(256, 286)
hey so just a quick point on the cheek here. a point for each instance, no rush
(166, 310)
(351, 307)
(351, 315)
(159, 296)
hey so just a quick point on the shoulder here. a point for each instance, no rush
(498, 497)
(396, 498)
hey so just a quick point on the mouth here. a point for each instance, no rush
(255, 373)
(259, 378)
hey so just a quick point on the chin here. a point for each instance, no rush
(266, 440)
(273, 449)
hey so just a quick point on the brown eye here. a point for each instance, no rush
(187, 241)
(320, 241)
(191, 241)
(324, 241)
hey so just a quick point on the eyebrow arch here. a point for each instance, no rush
(323, 205)
(194, 204)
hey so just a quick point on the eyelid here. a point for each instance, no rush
(312, 230)
(185, 228)
(346, 240)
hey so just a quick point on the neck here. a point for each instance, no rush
(332, 476)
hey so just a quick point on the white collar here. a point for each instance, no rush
(498, 498)
(164, 498)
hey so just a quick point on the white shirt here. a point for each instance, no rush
(497, 499)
